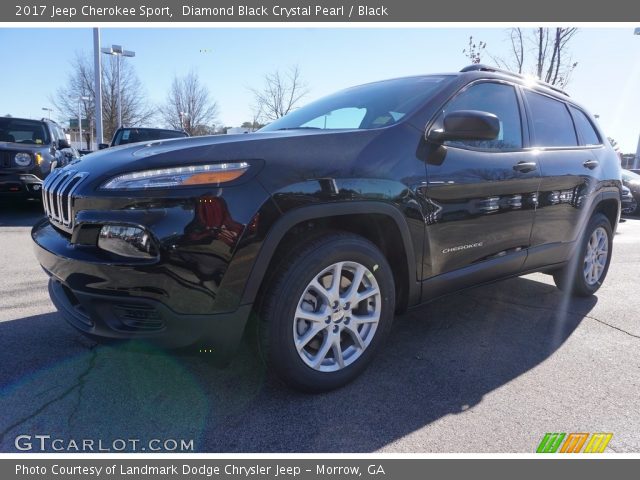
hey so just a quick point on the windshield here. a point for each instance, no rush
(365, 107)
(135, 135)
(628, 176)
(30, 132)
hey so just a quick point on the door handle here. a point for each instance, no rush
(591, 164)
(525, 166)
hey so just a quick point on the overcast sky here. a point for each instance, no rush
(230, 60)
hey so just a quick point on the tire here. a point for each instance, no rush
(588, 268)
(302, 285)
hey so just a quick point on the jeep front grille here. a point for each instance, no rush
(6, 159)
(57, 196)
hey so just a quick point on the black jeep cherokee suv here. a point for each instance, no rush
(29, 151)
(327, 221)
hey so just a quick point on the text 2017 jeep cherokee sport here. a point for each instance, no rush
(332, 218)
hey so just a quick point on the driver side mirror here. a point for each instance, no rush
(102, 146)
(466, 125)
(63, 143)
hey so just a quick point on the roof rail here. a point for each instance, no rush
(478, 67)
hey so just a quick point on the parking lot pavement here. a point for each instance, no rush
(491, 369)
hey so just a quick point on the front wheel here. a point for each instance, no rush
(587, 270)
(327, 311)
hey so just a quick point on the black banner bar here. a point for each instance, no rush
(323, 11)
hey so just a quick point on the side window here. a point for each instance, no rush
(496, 98)
(53, 131)
(552, 124)
(59, 134)
(585, 128)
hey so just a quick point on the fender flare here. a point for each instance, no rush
(313, 212)
(605, 195)
(610, 195)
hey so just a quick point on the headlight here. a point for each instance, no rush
(22, 159)
(213, 174)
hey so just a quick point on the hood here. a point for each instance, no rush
(268, 146)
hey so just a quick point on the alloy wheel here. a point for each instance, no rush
(337, 316)
(595, 259)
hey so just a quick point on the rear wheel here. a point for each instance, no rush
(326, 312)
(587, 270)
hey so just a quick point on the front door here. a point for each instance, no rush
(483, 196)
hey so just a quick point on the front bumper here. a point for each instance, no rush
(124, 318)
(21, 185)
(106, 300)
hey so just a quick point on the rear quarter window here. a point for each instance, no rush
(586, 131)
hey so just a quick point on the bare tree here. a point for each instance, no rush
(189, 106)
(256, 116)
(80, 83)
(280, 94)
(474, 51)
(543, 52)
(252, 126)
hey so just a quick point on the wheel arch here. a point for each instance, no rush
(610, 206)
(339, 216)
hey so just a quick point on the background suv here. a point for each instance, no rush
(29, 151)
(124, 135)
(631, 180)
(315, 230)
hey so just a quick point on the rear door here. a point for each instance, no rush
(569, 165)
(483, 195)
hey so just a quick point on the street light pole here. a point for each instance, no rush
(80, 99)
(49, 110)
(118, 51)
(79, 125)
(119, 91)
(636, 160)
(97, 71)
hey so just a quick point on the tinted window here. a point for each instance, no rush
(374, 105)
(23, 131)
(495, 98)
(57, 132)
(134, 135)
(53, 132)
(585, 129)
(552, 124)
